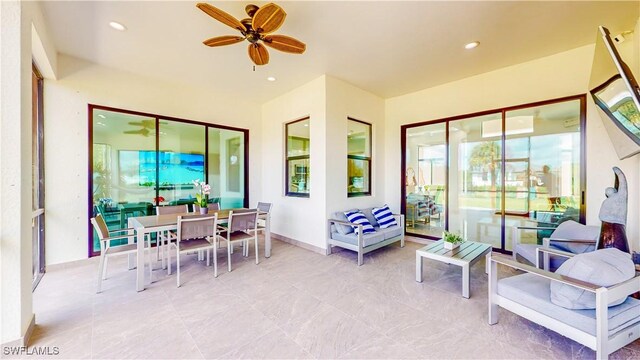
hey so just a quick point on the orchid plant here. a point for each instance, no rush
(202, 196)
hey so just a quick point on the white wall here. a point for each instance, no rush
(296, 218)
(345, 100)
(17, 20)
(555, 76)
(66, 146)
(328, 102)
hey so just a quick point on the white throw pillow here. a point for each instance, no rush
(605, 267)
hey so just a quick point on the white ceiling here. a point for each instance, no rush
(388, 48)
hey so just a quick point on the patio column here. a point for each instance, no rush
(16, 312)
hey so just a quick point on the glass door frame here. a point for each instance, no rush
(207, 126)
(38, 214)
(503, 111)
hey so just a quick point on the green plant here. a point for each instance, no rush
(452, 238)
(202, 196)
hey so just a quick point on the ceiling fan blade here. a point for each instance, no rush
(221, 16)
(259, 54)
(143, 132)
(268, 18)
(285, 43)
(223, 40)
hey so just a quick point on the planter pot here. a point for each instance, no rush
(450, 246)
(204, 210)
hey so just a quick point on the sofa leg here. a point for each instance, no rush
(402, 242)
(360, 258)
(329, 249)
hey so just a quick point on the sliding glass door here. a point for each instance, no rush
(475, 178)
(508, 168)
(139, 161)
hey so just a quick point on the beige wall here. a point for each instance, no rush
(66, 118)
(555, 76)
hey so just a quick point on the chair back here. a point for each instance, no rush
(243, 220)
(264, 207)
(172, 209)
(211, 207)
(197, 226)
(100, 226)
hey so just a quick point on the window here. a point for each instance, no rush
(508, 168)
(358, 158)
(140, 161)
(297, 167)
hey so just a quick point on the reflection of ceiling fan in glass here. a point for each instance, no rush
(256, 29)
(148, 128)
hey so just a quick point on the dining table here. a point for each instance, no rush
(142, 225)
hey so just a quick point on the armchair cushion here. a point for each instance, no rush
(533, 292)
(605, 267)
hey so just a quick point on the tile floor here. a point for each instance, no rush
(297, 304)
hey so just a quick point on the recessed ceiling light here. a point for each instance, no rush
(306, 125)
(117, 26)
(472, 45)
(101, 116)
(271, 78)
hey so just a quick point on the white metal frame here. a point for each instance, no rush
(449, 258)
(360, 248)
(250, 234)
(603, 343)
(107, 251)
(176, 244)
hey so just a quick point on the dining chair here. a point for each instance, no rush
(195, 233)
(108, 250)
(241, 227)
(165, 237)
(211, 207)
(263, 207)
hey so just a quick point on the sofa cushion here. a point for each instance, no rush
(533, 291)
(368, 213)
(384, 216)
(391, 232)
(357, 218)
(367, 239)
(605, 267)
(342, 229)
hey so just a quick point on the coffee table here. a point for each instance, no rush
(467, 254)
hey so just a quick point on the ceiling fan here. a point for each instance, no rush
(256, 29)
(147, 126)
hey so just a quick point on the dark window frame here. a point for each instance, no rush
(583, 158)
(368, 159)
(287, 159)
(207, 126)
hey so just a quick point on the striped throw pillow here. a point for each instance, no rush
(356, 217)
(384, 217)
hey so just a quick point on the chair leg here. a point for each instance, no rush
(104, 268)
(229, 251)
(100, 270)
(208, 262)
(256, 246)
(216, 244)
(360, 258)
(168, 259)
(178, 267)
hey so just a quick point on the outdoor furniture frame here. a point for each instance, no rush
(602, 341)
(360, 248)
(467, 254)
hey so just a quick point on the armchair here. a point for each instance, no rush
(604, 329)
(569, 236)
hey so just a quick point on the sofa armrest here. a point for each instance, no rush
(535, 228)
(400, 218)
(341, 222)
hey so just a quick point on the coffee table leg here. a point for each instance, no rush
(418, 268)
(465, 280)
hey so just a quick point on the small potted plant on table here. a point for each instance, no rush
(451, 240)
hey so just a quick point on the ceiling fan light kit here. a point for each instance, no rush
(256, 29)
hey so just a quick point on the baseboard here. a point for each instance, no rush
(299, 244)
(23, 341)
